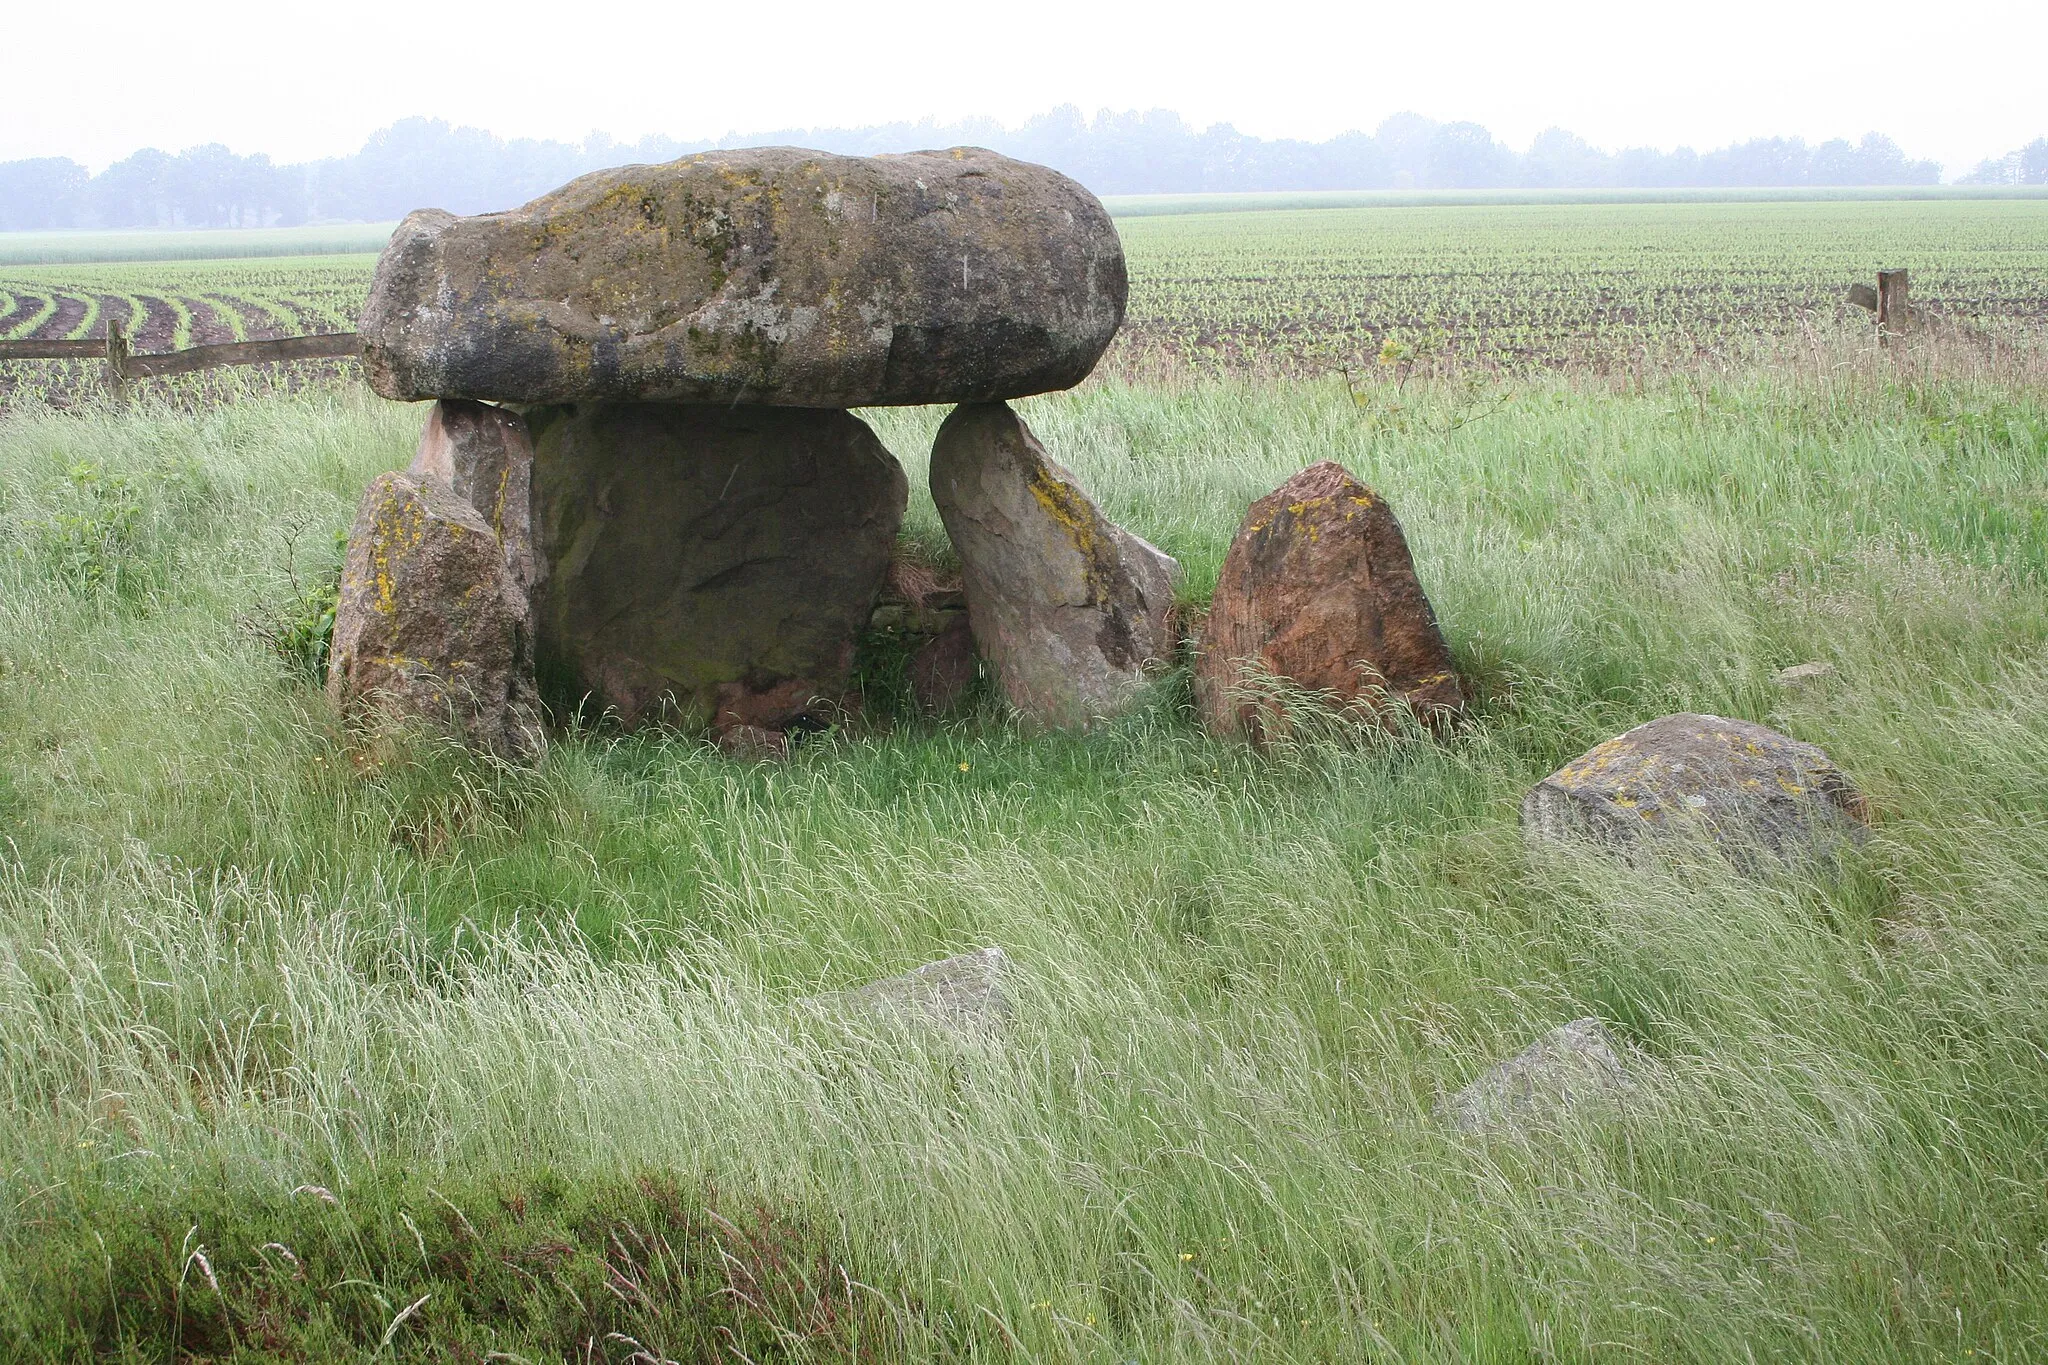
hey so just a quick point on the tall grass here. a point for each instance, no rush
(235, 963)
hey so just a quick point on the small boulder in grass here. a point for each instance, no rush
(963, 995)
(1565, 1073)
(944, 668)
(1742, 788)
(1801, 677)
(752, 743)
(1318, 598)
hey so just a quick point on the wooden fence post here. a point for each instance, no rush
(1892, 309)
(117, 360)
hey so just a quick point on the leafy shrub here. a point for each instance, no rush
(300, 630)
(88, 545)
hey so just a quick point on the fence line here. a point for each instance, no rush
(124, 365)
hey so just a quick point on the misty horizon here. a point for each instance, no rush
(418, 162)
(990, 125)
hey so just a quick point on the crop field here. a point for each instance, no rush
(1602, 285)
(1501, 287)
(171, 305)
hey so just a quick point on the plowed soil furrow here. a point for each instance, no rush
(25, 307)
(207, 327)
(115, 308)
(159, 325)
(297, 319)
(61, 324)
(256, 320)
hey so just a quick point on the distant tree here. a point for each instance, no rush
(1465, 156)
(2026, 166)
(1835, 163)
(1407, 139)
(1994, 170)
(1558, 159)
(1353, 161)
(47, 192)
(2034, 162)
(1764, 162)
(135, 192)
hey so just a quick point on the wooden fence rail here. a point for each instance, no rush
(124, 365)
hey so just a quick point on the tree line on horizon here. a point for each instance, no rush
(420, 162)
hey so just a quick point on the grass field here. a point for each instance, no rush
(426, 1059)
(198, 244)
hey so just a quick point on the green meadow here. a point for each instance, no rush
(313, 1052)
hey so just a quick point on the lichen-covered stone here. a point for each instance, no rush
(1318, 594)
(1697, 778)
(1069, 607)
(1561, 1075)
(774, 276)
(430, 626)
(708, 565)
(485, 455)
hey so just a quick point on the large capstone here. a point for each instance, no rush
(1072, 609)
(430, 626)
(769, 276)
(708, 565)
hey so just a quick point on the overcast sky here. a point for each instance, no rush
(1956, 82)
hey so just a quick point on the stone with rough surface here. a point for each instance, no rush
(1801, 676)
(925, 613)
(430, 625)
(708, 565)
(772, 275)
(1318, 594)
(1069, 607)
(962, 994)
(486, 456)
(1692, 778)
(1562, 1074)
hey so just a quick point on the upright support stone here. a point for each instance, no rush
(485, 456)
(708, 565)
(430, 626)
(1070, 608)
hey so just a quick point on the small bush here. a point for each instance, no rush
(300, 629)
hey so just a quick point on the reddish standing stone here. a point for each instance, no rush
(1318, 595)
